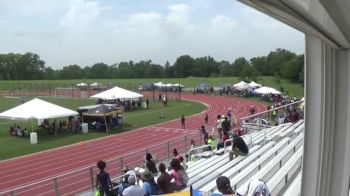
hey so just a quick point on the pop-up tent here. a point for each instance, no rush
(241, 85)
(267, 90)
(159, 84)
(37, 109)
(116, 93)
(254, 84)
(82, 84)
(102, 111)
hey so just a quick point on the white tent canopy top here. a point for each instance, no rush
(159, 84)
(95, 84)
(254, 84)
(37, 109)
(241, 85)
(267, 90)
(82, 84)
(116, 93)
(169, 85)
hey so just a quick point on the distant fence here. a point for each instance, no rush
(83, 179)
(70, 90)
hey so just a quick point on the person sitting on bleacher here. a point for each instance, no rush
(223, 185)
(239, 147)
(164, 180)
(124, 183)
(133, 189)
(149, 185)
(151, 166)
(177, 155)
(256, 187)
(212, 142)
(179, 175)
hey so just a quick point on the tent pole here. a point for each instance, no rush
(106, 124)
(32, 124)
(54, 124)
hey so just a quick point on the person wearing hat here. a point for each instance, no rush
(133, 189)
(149, 185)
(223, 185)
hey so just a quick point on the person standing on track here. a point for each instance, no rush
(103, 182)
(183, 122)
(206, 119)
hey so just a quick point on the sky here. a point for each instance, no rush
(84, 32)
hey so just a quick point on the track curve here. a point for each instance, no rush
(40, 166)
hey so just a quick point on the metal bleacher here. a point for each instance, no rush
(275, 156)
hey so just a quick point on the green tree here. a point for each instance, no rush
(239, 65)
(168, 70)
(260, 64)
(71, 72)
(183, 66)
(249, 73)
(98, 70)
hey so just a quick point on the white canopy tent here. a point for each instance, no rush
(254, 84)
(95, 84)
(82, 84)
(116, 93)
(178, 85)
(241, 85)
(159, 84)
(37, 109)
(267, 90)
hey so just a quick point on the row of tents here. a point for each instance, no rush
(258, 88)
(37, 109)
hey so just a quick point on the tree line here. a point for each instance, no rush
(280, 63)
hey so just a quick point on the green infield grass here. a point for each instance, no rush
(16, 146)
(293, 89)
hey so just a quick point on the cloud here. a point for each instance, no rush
(100, 31)
(80, 14)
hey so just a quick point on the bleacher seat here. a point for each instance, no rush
(295, 187)
(234, 166)
(210, 173)
(276, 163)
(282, 176)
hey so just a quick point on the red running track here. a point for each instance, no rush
(46, 165)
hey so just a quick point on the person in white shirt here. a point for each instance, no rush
(256, 187)
(133, 189)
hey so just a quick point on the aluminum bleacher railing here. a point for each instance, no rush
(83, 179)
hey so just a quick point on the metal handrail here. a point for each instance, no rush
(267, 111)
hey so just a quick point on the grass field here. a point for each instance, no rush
(15, 146)
(294, 89)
